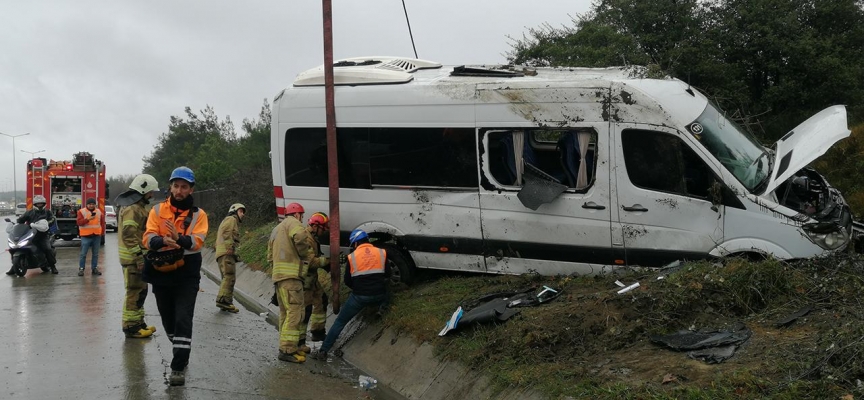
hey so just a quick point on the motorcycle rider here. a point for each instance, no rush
(42, 240)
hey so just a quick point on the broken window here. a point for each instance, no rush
(662, 162)
(566, 155)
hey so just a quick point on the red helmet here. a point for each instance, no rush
(294, 208)
(319, 219)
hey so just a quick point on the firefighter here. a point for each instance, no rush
(174, 237)
(227, 241)
(289, 252)
(132, 222)
(367, 275)
(91, 227)
(315, 300)
(42, 239)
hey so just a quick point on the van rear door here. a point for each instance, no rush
(664, 212)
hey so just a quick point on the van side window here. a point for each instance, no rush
(662, 162)
(306, 157)
(567, 156)
(433, 157)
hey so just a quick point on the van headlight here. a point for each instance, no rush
(827, 235)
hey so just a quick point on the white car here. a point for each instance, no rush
(110, 219)
(20, 209)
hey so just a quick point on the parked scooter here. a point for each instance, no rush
(25, 254)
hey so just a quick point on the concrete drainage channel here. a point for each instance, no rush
(403, 368)
(334, 366)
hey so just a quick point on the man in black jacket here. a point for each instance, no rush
(42, 241)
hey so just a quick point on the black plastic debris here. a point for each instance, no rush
(709, 345)
(498, 307)
(789, 319)
(539, 188)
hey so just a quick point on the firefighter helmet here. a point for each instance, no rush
(357, 235)
(319, 219)
(184, 173)
(294, 208)
(39, 199)
(144, 183)
(236, 206)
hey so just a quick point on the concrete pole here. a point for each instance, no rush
(14, 162)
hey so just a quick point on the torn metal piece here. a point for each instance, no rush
(498, 307)
(629, 288)
(789, 319)
(711, 346)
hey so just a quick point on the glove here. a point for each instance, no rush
(343, 259)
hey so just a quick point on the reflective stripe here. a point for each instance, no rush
(182, 339)
(182, 346)
(130, 223)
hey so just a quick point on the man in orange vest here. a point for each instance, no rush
(367, 275)
(91, 227)
(174, 236)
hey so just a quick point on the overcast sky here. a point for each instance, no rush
(105, 76)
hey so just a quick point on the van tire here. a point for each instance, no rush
(402, 266)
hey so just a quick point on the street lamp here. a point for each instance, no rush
(14, 178)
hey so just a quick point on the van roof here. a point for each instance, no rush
(364, 83)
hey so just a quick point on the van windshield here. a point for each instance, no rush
(736, 149)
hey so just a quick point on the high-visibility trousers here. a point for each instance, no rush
(227, 267)
(136, 293)
(289, 293)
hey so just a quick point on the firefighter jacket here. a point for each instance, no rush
(192, 227)
(228, 236)
(368, 271)
(34, 214)
(289, 250)
(316, 261)
(90, 223)
(132, 222)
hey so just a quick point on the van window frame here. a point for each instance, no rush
(483, 134)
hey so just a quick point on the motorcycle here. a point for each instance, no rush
(25, 254)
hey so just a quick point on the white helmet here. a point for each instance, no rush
(236, 206)
(39, 199)
(144, 183)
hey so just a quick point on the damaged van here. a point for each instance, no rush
(551, 170)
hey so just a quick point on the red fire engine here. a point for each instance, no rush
(66, 186)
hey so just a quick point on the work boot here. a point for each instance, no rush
(138, 332)
(318, 335)
(54, 270)
(295, 357)
(227, 307)
(81, 272)
(320, 355)
(150, 328)
(11, 271)
(96, 271)
(177, 378)
(303, 349)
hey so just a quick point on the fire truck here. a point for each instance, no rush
(67, 185)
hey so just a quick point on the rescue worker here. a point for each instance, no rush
(227, 241)
(367, 275)
(289, 252)
(315, 313)
(42, 241)
(174, 236)
(91, 227)
(132, 222)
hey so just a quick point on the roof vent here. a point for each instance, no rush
(366, 71)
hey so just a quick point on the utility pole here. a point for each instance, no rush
(14, 162)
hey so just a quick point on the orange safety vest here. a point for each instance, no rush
(367, 259)
(196, 227)
(93, 226)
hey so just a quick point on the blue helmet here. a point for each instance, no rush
(356, 235)
(183, 173)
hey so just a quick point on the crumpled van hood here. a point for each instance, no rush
(807, 142)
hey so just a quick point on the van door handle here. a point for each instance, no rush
(635, 207)
(592, 205)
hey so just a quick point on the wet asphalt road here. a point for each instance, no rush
(61, 339)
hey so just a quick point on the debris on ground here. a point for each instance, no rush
(498, 307)
(789, 319)
(710, 345)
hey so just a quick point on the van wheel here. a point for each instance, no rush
(402, 267)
